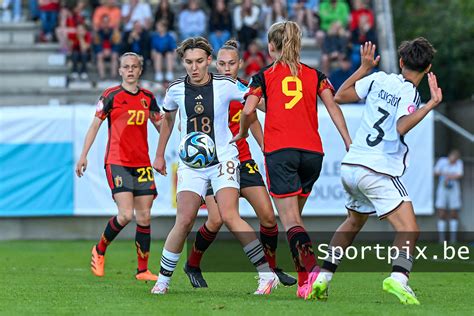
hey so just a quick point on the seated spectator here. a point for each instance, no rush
(80, 42)
(164, 12)
(107, 46)
(70, 16)
(8, 6)
(112, 10)
(49, 10)
(137, 40)
(246, 18)
(136, 11)
(359, 9)
(254, 59)
(331, 11)
(220, 25)
(303, 13)
(273, 12)
(334, 46)
(33, 7)
(163, 45)
(341, 73)
(192, 20)
(364, 33)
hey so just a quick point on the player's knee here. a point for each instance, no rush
(124, 219)
(185, 224)
(268, 219)
(230, 218)
(356, 222)
(214, 224)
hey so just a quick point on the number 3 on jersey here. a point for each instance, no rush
(296, 92)
(376, 126)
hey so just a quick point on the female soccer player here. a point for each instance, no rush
(203, 99)
(292, 145)
(252, 187)
(127, 164)
(372, 168)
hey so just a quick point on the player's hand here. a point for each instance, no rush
(238, 137)
(160, 165)
(436, 93)
(367, 56)
(81, 166)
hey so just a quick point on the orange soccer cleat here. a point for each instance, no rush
(146, 276)
(97, 263)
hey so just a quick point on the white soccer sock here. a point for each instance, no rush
(453, 230)
(401, 277)
(254, 250)
(169, 260)
(441, 230)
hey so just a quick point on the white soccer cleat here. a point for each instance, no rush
(160, 288)
(266, 283)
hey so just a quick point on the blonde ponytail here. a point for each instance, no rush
(286, 37)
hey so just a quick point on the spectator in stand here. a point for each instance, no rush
(254, 59)
(137, 40)
(364, 33)
(8, 6)
(334, 46)
(342, 73)
(80, 51)
(112, 10)
(70, 16)
(302, 11)
(107, 42)
(33, 5)
(164, 12)
(192, 20)
(49, 10)
(246, 18)
(163, 45)
(273, 12)
(220, 25)
(136, 11)
(359, 9)
(331, 11)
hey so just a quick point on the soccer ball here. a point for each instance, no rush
(197, 150)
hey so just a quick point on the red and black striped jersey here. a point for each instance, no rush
(235, 110)
(127, 115)
(291, 120)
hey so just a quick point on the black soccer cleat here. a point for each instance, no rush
(195, 276)
(285, 278)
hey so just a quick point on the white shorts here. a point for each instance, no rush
(371, 192)
(448, 198)
(223, 175)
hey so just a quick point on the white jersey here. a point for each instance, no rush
(377, 144)
(206, 109)
(445, 168)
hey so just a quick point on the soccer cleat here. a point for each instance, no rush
(146, 276)
(317, 285)
(285, 278)
(160, 288)
(195, 276)
(302, 290)
(404, 293)
(267, 283)
(97, 263)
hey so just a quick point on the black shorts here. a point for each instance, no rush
(292, 172)
(249, 176)
(138, 180)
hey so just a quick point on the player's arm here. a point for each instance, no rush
(407, 122)
(262, 106)
(81, 165)
(347, 92)
(167, 124)
(336, 116)
(257, 132)
(155, 119)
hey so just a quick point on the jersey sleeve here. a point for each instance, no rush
(169, 105)
(409, 101)
(324, 83)
(154, 110)
(438, 166)
(364, 85)
(237, 91)
(103, 107)
(256, 86)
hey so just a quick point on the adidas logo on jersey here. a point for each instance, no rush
(231, 178)
(199, 97)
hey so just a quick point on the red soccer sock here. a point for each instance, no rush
(269, 238)
(301, 247)
(142, 241)
(111, 231)
(204, 238)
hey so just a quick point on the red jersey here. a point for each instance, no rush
(291, 120)
(127, 114)
(235, 110)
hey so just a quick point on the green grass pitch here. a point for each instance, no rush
(54, 278)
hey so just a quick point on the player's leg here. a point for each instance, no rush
(204, 237)
(454, 198)
(227, 198)
(441, 204)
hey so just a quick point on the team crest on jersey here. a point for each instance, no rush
(118, 181)
(143, 102)
(199, 108)
(411, 108)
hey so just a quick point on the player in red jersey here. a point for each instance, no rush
(292, 145)
(252, 187)
(127, 164)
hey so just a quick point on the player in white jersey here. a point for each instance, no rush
(378, 157)
(203, 101)
(449, 170)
